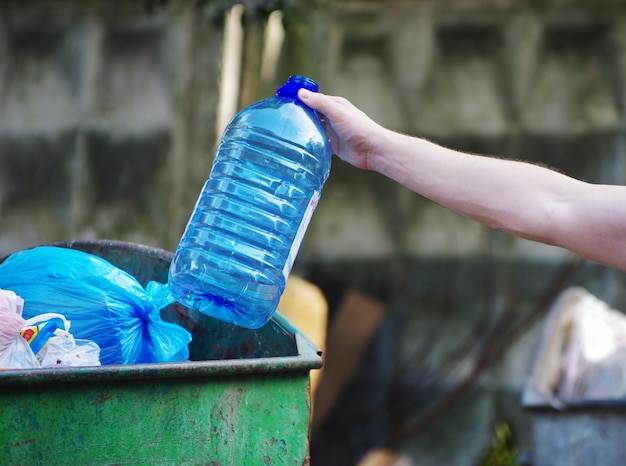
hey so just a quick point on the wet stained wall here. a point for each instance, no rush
(107, 130)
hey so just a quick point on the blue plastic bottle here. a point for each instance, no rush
(237, 251)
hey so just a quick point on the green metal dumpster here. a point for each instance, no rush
(242, 399)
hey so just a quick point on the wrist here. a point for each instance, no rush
(384, 152)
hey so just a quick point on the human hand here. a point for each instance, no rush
(353, 136)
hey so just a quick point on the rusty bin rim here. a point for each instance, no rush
(307, 359)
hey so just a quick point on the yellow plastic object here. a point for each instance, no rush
(305, 306)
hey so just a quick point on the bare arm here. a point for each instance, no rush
(523, 199)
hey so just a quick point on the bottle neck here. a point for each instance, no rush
(295, 83)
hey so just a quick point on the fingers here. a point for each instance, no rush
(340, 100)
(309, 98)
(322, 102)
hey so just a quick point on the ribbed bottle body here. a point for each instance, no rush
(239, 245)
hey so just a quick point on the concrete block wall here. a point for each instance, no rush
(107, 130)
(107, 121)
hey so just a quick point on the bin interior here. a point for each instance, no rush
(212, 339)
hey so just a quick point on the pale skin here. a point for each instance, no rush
(520, 198)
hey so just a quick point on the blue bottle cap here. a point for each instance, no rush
(295, 83)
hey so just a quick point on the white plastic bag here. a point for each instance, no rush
(594, 360)
(42, 341)
(65, 351)
(10, 302)
(19, 355)
(11, 320)
(15, 352)
(53, 344)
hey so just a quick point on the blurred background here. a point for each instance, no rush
(110, 113)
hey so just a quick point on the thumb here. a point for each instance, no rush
(309, 98)
(304, 94)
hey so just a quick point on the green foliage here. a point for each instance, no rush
(503, 451)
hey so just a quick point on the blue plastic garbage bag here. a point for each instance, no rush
(102, 302)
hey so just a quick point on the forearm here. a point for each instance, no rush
(516, 197)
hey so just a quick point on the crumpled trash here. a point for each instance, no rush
(11, 302)
(581, 356)
(54, 346)
(593, 364)
(42, 341)
(104, 303)
(14, 350)
(11, 320)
